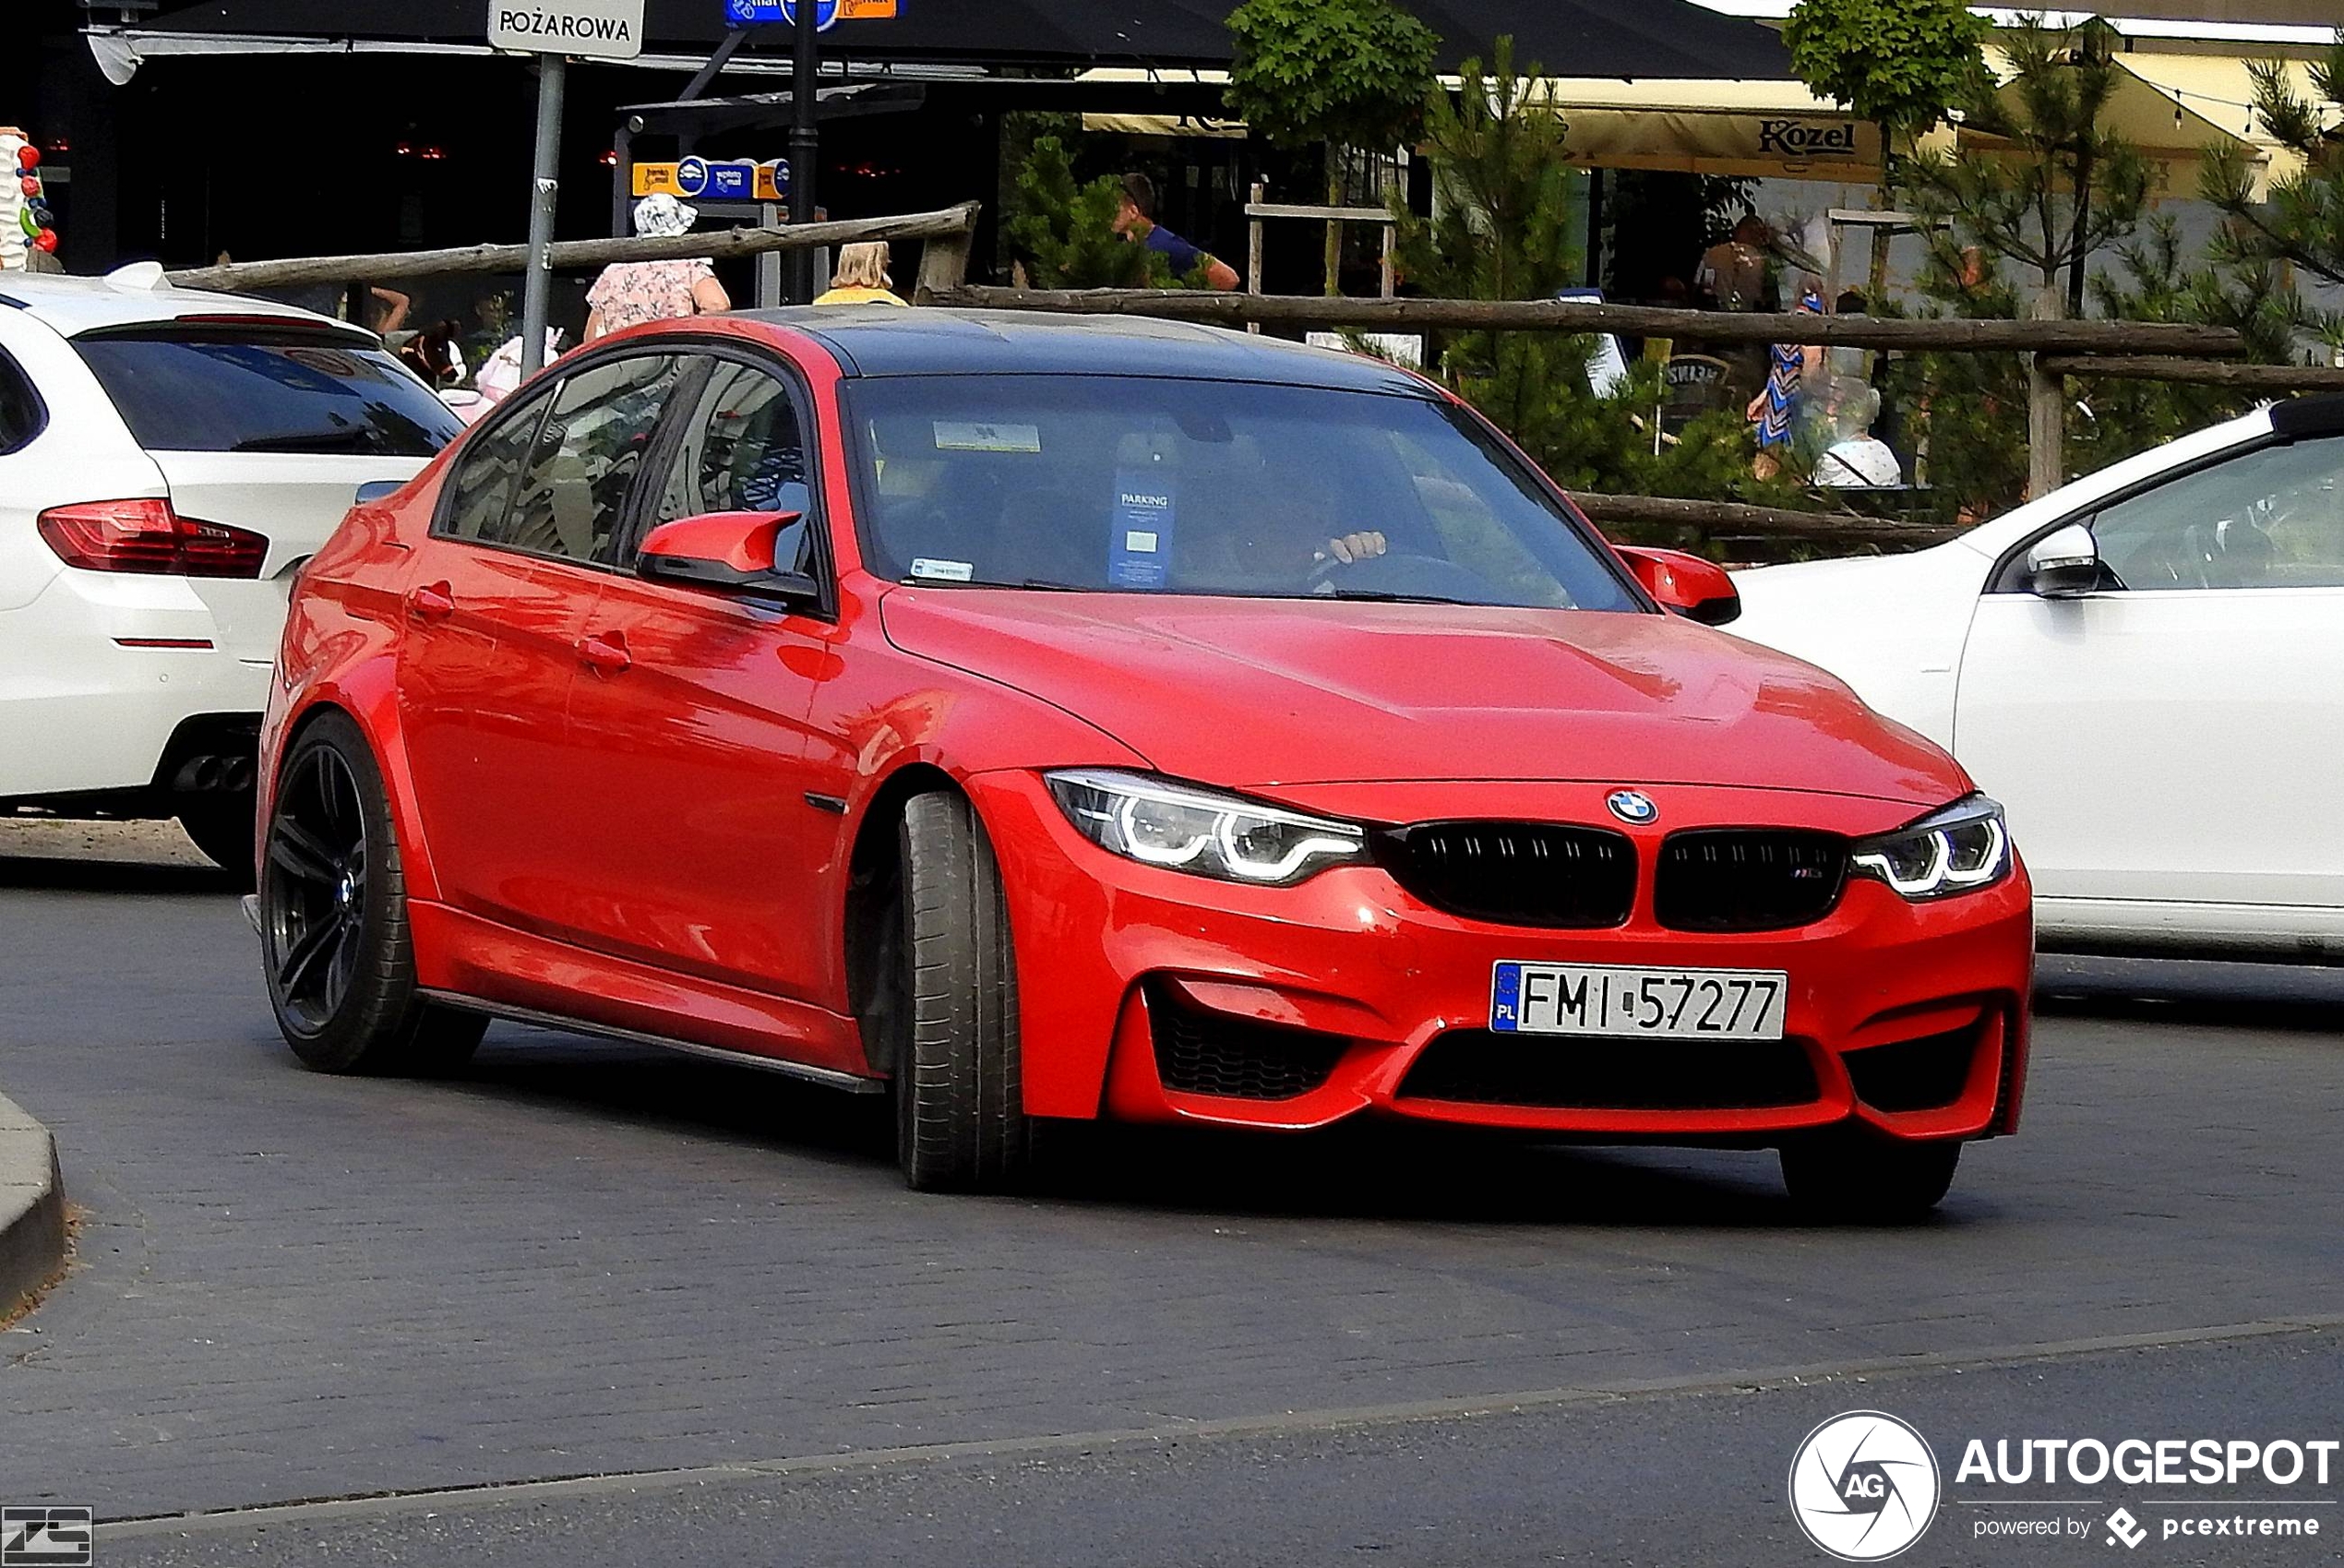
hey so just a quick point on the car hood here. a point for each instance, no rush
(1262, 693)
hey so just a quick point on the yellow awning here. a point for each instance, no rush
(2171, 130)
(1768, 129)
(2220, 89)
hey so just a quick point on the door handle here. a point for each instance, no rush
(605, 650)
(433, 602)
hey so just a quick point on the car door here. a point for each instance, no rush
(2170, 738)
(695, 715)
(497, 600)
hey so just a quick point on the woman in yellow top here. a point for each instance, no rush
(861, 278)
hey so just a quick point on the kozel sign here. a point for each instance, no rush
(1800, 140)
(609, 30)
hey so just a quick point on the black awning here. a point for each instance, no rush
(1578, 37)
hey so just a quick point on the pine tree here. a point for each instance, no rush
(2040, 181)
(1504, 232)
(1067, 230)
(2302, 222)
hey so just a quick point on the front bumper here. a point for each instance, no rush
(1365, 986)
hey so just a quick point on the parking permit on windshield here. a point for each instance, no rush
(975, 435)
(1139, 530)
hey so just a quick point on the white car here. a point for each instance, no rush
(168, 458)
(2145, 667)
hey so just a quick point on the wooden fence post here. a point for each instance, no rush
(2046, 409)
(944, 261)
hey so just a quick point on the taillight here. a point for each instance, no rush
(147, 537)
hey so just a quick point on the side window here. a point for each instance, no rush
(572, 491)
(741, 451)
(21, 414)
(2273, 518)
(480, 491)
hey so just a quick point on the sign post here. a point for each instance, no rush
(805, 141)
(555, 30)
(806, 19)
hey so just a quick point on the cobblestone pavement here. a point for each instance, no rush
(583, 1259)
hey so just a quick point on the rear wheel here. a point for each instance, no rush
(333, 919)
(961, 1122)
(222, 827)
(1852, 1177)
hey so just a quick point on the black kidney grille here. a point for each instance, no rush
(1481, 1068)
(1198, 1052)
(1551, 874)
(1748, 879)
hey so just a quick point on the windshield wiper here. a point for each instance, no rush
(1385, 596)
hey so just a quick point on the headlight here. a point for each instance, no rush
(1158, 822)
(1956, 849)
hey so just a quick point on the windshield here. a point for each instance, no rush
(261, 389)
(1113, 484)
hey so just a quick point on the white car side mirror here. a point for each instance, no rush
(2063, 563)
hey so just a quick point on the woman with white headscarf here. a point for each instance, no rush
(631, 292)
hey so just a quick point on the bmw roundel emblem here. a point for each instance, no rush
(1632, 806)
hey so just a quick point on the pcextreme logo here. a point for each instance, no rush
(1864, 1486)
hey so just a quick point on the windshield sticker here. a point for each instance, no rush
(943, 572)
(968, 436)
(1139, 537)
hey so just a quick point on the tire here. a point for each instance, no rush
(337, 951)
(223, 828)
(959, 1118)
(1849, 1177)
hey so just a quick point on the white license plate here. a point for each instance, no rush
(1587, 998)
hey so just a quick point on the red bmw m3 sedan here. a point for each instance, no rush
(1035, 717)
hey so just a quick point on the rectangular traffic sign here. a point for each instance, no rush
(605, 29)
(702, 178)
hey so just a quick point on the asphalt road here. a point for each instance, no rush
(591, 1303)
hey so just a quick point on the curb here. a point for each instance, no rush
(32, 1207)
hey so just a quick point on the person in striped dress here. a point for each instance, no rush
(1775, 411)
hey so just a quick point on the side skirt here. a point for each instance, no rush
(798, 1070)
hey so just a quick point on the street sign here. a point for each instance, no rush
(827, 13)
(737, 179)
(603, 29)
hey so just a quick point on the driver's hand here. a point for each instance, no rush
(1352, 547)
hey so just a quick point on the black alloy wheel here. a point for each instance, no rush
(338, 951)
(315, 906)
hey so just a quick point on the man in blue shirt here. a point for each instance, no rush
(1137, 222)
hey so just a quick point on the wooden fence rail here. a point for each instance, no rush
(2276, 379)
(1733, 517)
(1957, 335)
(946, 225)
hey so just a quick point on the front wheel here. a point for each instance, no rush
(340, 958)
(960, 1107)
(1852, 1177)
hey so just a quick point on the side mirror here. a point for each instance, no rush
(1694, 588)
(731, 551)
(2063, 563)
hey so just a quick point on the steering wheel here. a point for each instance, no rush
(1400, 571)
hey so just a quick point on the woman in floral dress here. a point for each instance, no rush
(631, 292)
